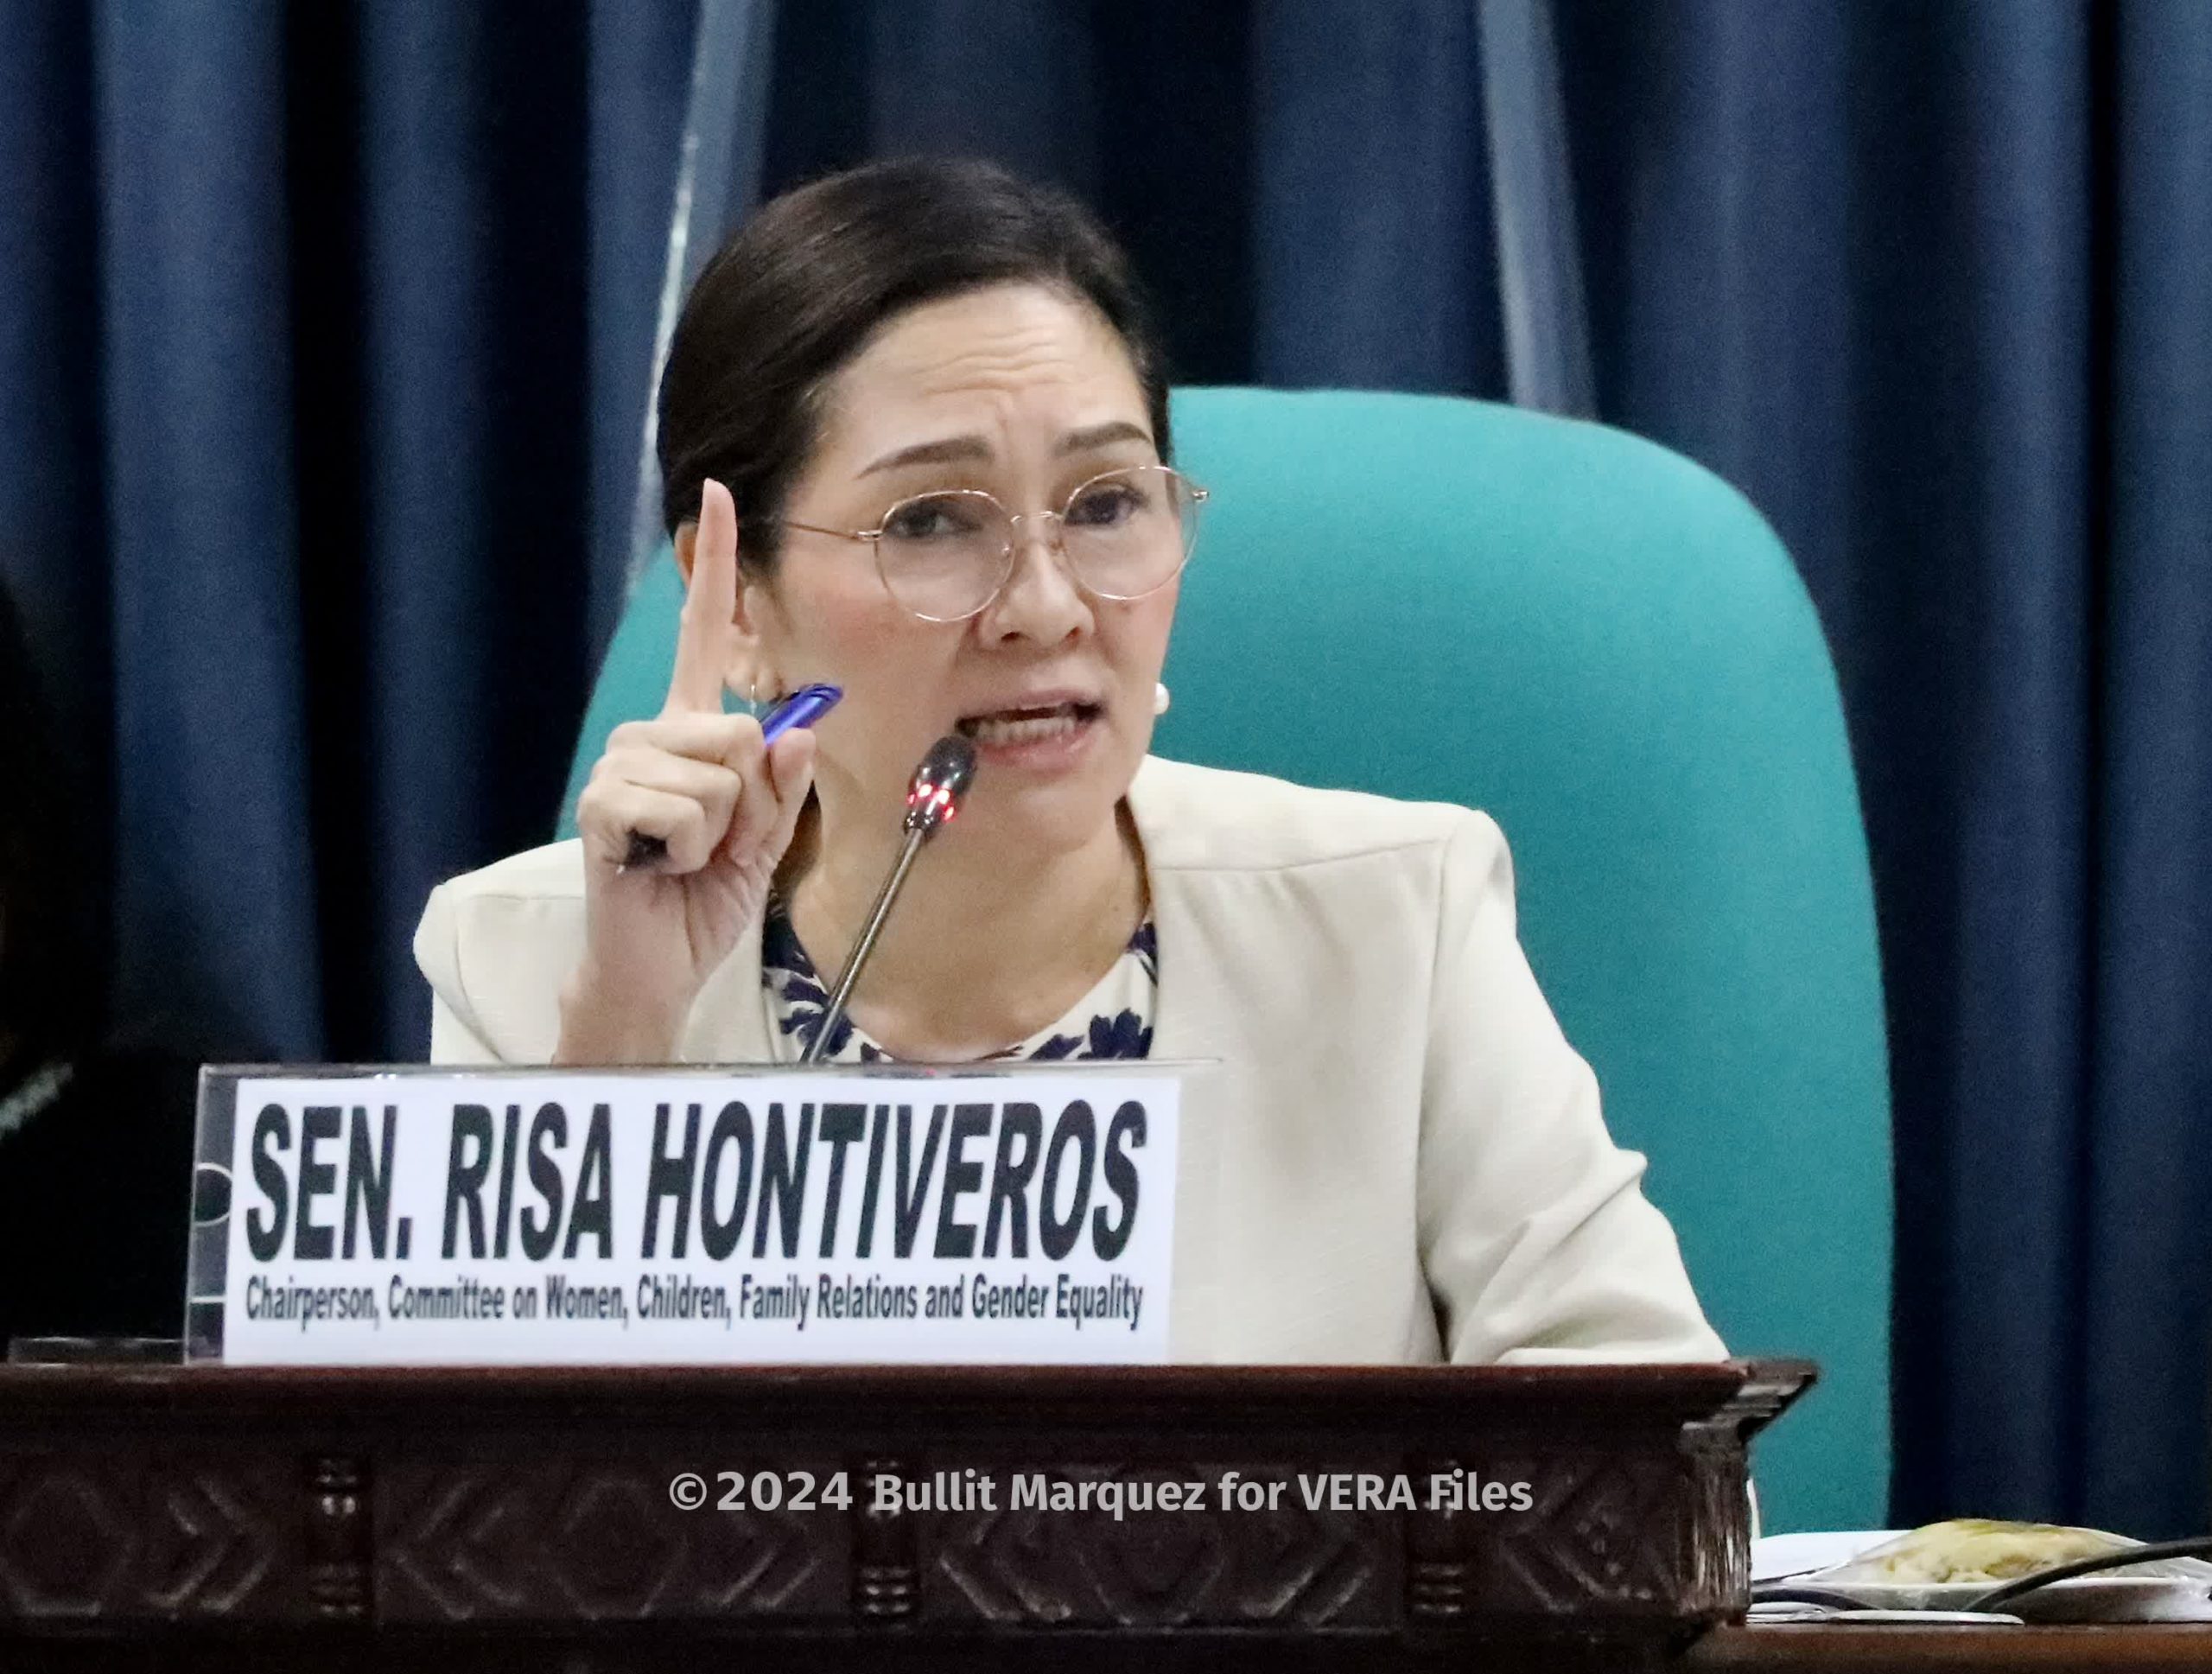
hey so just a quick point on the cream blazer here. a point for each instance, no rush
(1398, 1158)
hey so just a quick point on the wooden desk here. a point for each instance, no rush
(184, 1518)
(1887, 1650)
(2151, 1650)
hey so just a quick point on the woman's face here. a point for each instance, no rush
(1025, 392)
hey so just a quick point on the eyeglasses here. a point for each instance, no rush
(945, 555)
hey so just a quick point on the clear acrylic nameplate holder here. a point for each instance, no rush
(772, 1213)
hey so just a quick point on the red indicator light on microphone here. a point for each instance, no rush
(939, 782)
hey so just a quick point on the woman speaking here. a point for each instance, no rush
(914, 433)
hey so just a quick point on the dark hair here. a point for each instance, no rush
(796, 290)
(47, 957)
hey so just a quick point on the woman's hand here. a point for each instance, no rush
(724, 805)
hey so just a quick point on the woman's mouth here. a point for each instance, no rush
(1023, 726)
(1042, 735)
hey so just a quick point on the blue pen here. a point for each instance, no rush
(801, 709)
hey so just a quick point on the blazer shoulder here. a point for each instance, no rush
(546, 883)
(1213, 818)
(553, 872)
(496, 943)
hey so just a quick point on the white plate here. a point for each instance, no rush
(1776, 1555)
(1805, 1557)
(2085, 1598)
(1803, 1613)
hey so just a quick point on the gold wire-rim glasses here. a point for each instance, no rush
(1190, 495)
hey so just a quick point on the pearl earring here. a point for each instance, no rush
(1159, 698)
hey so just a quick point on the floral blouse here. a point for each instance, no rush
(1112, 1021)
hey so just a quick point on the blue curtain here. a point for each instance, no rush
(1929, 283)
(323, 339)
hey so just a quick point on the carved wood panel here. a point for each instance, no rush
(1280, 1566)
(96, 1535)
(1606, 1534)
(468, 1538)
(463, 1507)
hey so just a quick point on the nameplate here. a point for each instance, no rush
(541, 1217)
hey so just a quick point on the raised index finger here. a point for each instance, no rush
(706, 634)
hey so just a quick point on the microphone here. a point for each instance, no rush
(933, 801)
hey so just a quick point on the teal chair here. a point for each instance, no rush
(1607, 648)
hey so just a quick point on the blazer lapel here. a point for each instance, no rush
(1193, 979)
(733, 1021)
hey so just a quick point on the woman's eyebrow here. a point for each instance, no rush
(949, 450)
(1098, 436)
(956, 449)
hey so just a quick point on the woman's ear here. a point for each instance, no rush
(687, 545)
(758, 629)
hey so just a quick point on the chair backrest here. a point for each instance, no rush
(1607, 648)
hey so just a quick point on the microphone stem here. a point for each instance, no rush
(834, 1011)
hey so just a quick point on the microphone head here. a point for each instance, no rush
(940, 784)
